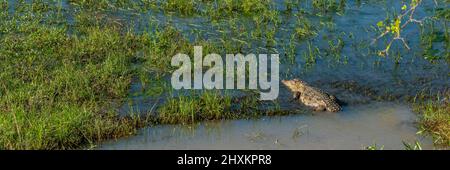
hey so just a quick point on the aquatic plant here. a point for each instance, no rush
(247, 7)
(184, 109)
(335, 48)
(374, 147)
(292, 4)
(311, 54)
(57, 88)
(415, 146)
(304, 29)
(435, 40)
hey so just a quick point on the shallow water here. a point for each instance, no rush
(363, 122)
(383, 124)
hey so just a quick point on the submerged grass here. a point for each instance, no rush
(59, 80)
(64, 128)
(214, 105)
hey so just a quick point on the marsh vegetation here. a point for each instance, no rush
(74, 73)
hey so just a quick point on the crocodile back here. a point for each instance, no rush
(312, 96)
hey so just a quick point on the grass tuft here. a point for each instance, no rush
(435, 119)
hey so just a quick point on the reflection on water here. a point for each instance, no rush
(384, 124)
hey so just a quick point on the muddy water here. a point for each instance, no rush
(383, 124)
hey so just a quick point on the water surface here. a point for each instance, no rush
(383, 124)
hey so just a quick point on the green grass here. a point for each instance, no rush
(207, 106)
(326, 6)
(184, 7)
(66, 127)
(335, 48)
(213, 105)
(374, 147)
(311, 55)
(407, 146)
(57, 87)
(435, 119)
(247, 7)
(304, 29)
(64, 71)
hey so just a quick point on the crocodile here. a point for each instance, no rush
(312, 97)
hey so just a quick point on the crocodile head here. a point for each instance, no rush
(294, 85)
